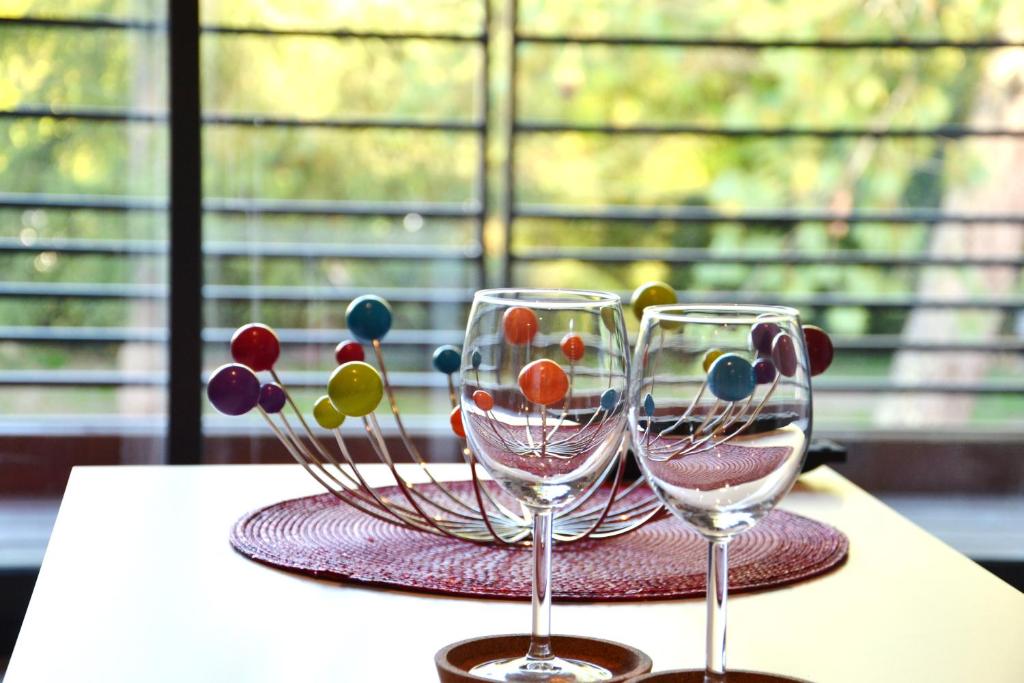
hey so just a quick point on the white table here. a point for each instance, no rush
(139, 584)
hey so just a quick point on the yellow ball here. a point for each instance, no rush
(710, 357)
(326, 415)
(355, 388)
(651, 294)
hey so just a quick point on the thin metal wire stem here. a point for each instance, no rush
(312, 472)
(410, 447)
(373, 429)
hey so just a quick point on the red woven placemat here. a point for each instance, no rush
(321, 537)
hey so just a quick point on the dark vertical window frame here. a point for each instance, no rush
(184, 410)
(484, 115)
(509, 167)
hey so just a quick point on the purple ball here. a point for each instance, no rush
(762, 335)
(784, 354)
(233, 389)
(764, 371)
(272, 397)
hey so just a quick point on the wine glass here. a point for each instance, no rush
(720, 417)
(542, 403)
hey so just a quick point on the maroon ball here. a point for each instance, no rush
(784, 354)
(233, 389)
(348, 350)
(272, 397)
(255, 345)
(764, 371)
(819, 349)
(762, 335)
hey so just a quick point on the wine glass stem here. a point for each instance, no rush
(718, 593)
(540, 635)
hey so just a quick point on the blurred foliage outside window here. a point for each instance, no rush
(323, 78)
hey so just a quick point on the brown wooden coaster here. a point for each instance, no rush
(697, 676)
(454, 661)
(321, 537)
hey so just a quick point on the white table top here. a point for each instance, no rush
(140, 584)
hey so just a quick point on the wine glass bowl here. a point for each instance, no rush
(543, 385)
(542, 404)
(720, 417)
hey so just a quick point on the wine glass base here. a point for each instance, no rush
(466, 660)
(697, 676)
(554, 670)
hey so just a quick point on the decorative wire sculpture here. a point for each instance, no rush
(733, 382)
(355, 388)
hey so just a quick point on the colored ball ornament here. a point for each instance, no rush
(710, 356)
(233, 389)
(520, 325)
(651, 294)
(272, 397)
(476, 359)
(456, 421)
(483, 400)
(256, 346)
(368, 317)
(609, 399)
(572, 346)
(784, 354)
(348, 350)
(544, 381)
(326, 414)
(731, 377)
(355, 388)
(819, 349)
(761, 336)
(764, 371)
(610, 320)
(649, 405)
(447, 359)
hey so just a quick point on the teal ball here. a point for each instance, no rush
(368, 317)
(447, 359)
(731, 377)
(609, 399)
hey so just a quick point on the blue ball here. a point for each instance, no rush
(368, 317)
(731, 377)
(609, 399)
(447, 359)
(649, 405)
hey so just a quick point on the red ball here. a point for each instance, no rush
(456, 421)
(483, 400)
(520, 325)
(544, 381)
(573, 347)
(255, 345)
(348, 350)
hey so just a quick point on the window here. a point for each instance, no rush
(84, 238)
(851, 160)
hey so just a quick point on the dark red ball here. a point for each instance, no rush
(784, 354)
(256, 346)
(819, 349)
(762, 335)
(348, 350)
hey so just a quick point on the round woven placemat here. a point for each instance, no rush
(321, 537)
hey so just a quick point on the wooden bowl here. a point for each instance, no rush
(454, 661)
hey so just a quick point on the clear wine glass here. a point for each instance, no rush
(542, 401)
(720, 416)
